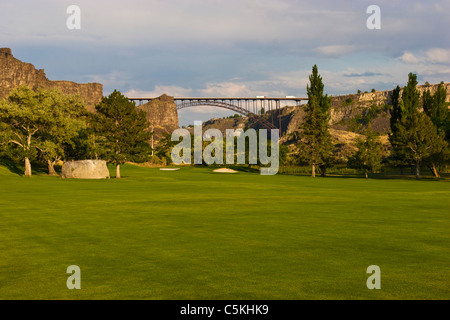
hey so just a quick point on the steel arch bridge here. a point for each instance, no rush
(220, 104)
(249, 107)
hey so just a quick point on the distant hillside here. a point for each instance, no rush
(350, 115)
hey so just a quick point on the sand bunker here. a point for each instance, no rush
(225, 170)
(169, 169)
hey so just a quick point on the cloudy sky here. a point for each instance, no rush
(230, 47)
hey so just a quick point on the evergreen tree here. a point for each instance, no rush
(410, 96)
(126, 130)
(396, 110)
(402, 109)
(436, 108)
(315, 144)
(417, 139)
(164, 148)
(368, 157)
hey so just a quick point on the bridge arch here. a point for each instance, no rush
(230, 106)
(238, 106)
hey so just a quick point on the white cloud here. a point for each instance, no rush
(225, 89)
(408, 58)
(174, 91)
(335, 50)
(438, 55)
(430, 56)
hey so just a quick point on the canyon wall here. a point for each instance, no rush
(14, 73)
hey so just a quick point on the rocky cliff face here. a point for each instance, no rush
(348, 110)
(14, 73)
(162, 114)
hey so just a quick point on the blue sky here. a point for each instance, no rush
(230, 47)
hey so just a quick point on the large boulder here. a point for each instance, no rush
(85, 169)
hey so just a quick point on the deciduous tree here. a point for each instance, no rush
(25, 116)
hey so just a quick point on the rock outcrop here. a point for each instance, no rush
(85, 169)
(347, 107)
(14, 73)
(162, 115)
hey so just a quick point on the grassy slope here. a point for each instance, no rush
(193, 234)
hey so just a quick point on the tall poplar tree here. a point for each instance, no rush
(315, 144)
(396, 109)
(435, 106)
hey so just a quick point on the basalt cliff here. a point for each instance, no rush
(162, 115)
(14, 73)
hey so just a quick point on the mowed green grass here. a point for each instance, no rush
(194, 234)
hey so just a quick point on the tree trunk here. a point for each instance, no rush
(117, 171)
(27, 160)
(51, 168)
(434, 171)
(323, 171)
(365, 172)
(27, 167)
(417, 169)
(152, 143)
(313, 171)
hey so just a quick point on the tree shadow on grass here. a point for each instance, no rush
(244, 169)
(12, 166)
(36, 168)
(386, 176)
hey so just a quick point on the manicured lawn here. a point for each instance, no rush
(194, 234)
